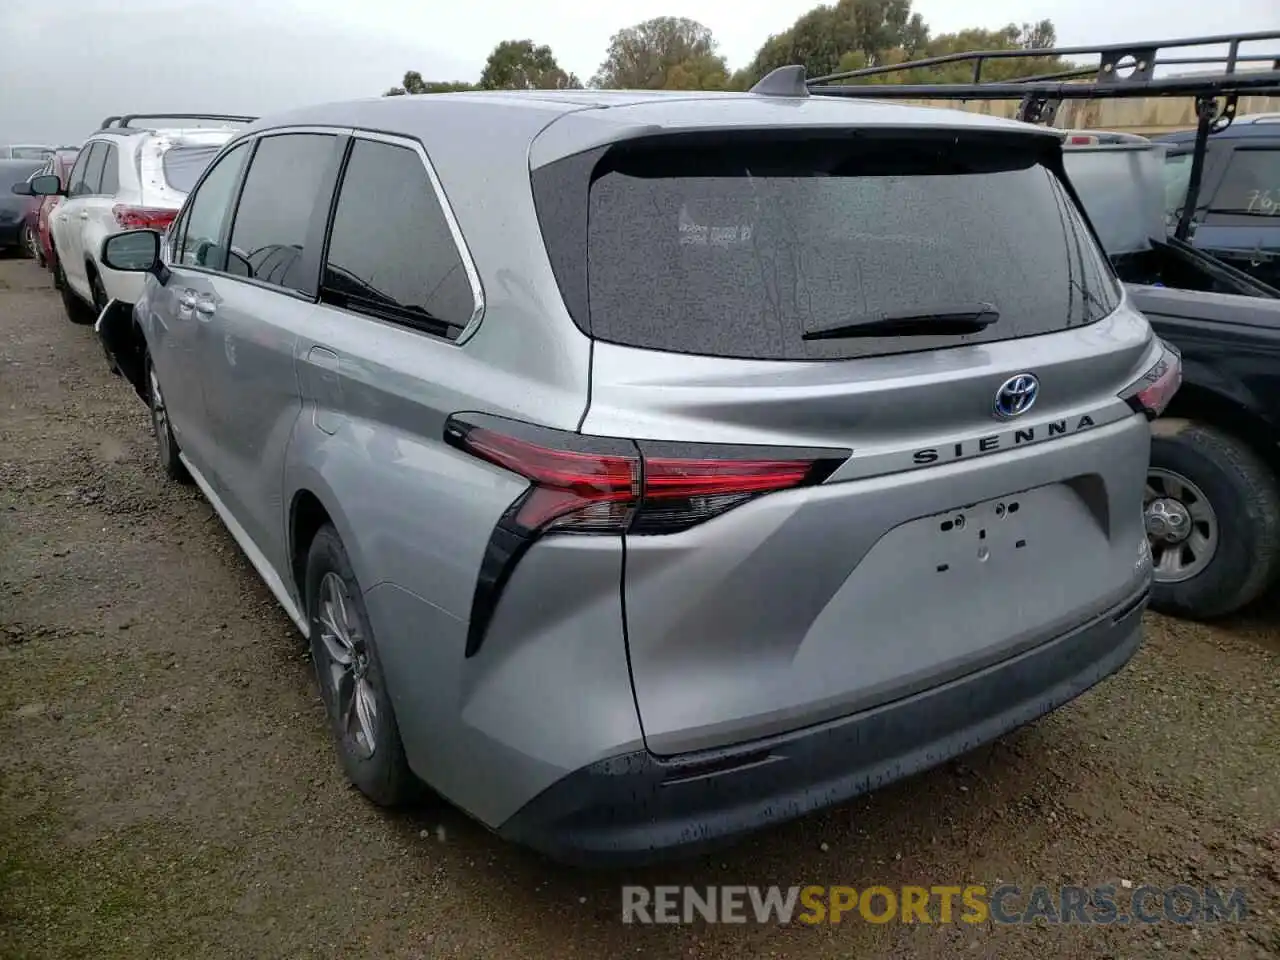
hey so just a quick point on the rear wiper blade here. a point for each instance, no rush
(955, 321)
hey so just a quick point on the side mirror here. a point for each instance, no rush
(46, 185)
(22, 189)
(134, 251)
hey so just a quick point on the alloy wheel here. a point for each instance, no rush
(342, 644)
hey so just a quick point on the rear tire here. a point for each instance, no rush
(167, 448)
(1229, 496)
(76, 309)
(352, 682)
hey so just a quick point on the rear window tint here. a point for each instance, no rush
(738, 250)
(183, 165)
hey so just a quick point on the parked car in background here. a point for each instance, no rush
(1237, 215)
(16, 201)
(828, 469)
(26, 151)
(125, 177)
(59, 164)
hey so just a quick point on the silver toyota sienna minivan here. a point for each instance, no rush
(646, 468)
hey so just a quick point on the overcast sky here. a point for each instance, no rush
(66, 65)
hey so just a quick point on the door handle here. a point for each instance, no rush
(84, 214)
(206, 308)
(187, 301)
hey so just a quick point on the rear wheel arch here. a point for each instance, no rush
(307, 516)
(1197, 403)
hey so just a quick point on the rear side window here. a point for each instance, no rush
(1251, 184)
(1177, 177)
(183, 165)
(110, 172)
(742, 247)
(391, 253)
(280, 192)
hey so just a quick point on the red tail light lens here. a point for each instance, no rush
(1151, 393)
(604, 485)
(142, 218)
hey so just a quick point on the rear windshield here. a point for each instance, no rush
(184, 164)
(740, 250)
(31, 153)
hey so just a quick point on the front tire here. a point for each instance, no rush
(352, 682)
(1212, 512)
(166, 444)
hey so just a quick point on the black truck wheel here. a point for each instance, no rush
(1212, 513)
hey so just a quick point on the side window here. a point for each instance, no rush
(391, 253)
(93, 172)
(199, 238)
(280, 193)
(110, 185)
(1177, 177)
(77, 185)
(1251, 184)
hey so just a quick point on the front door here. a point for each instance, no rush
(198, 254)
(250, 322)
(71, 215)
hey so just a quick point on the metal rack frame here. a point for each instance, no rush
(1123, 70)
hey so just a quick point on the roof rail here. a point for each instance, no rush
(1123, 70)
(126, 120)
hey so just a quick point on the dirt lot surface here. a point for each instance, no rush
(168, 789)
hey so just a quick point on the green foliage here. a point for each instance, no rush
(413, 83)
(665, 53)
(675, 53)
(521, 65)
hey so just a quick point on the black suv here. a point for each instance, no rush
(1237, 215)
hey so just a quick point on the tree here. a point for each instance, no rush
(413, 83)
(854, 34)
(520, 65)
(820, 38)
(665, 53)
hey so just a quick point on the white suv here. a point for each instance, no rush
(126, 177)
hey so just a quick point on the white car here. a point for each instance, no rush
(126, 177)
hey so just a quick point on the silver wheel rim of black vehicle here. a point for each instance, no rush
(1181, 526)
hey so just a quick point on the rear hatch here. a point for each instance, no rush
(910, 341)
(171, 161)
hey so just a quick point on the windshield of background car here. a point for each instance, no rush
(16, 171)
(739, 248)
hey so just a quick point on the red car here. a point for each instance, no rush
(60, 163)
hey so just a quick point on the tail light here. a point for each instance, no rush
(1150, 394)
(1082, 139)
(603, 485)
(143, 218)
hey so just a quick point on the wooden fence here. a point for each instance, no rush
(1148, 117)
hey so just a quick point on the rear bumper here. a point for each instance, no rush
(637, 807)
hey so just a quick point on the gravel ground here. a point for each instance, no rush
(168, 788)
